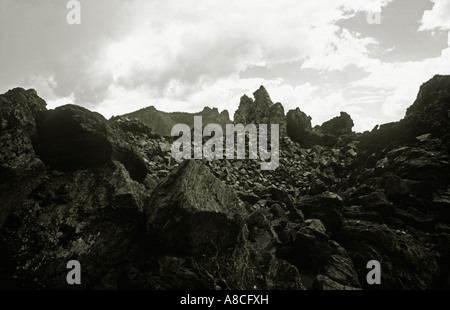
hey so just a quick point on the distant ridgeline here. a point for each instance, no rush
(162, 122)
(260, 110)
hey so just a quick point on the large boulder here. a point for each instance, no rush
(430, 112)
(340, 125)
(192, 210)
(407, 261)
(327, 207)
(298, 125)
(192, 213)
(261, 111)
(71, 138)
(314, 253)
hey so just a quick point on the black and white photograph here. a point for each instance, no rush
(237, 147)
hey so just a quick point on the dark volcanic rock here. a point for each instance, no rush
(324, 283)
(299, 129)
(406, 260)
(376, 201)
(261, 111)
(20, 170)
(339, 125)
(192, 210)
(311, 250)
(298, 125)
(193, 213)
(430, 112)
(87, 215)
(71, 138)
(327, 207)
(74, 186)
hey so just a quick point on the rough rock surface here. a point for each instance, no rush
(261, 111)
(339, 125)
(72, 138)
(108, 193)
(298, 125)
(192, 209)
(20, 170)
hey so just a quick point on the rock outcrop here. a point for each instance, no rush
(298, 125)
(192, 209)
(261, 111)
(72, 138)
(299, 129)
(338, 126)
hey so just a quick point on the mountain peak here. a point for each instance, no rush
(262, 96)
(432, 92)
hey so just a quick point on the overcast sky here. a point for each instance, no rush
(320, 55)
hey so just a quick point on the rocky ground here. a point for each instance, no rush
(75, 186)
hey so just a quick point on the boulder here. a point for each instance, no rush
(340, 125)
(86, 215)
(377, 201)
(395, 187)
(327, 207)
(406, 261)
(340, 268)
(298, 125)
(192, 210)
(71, 138)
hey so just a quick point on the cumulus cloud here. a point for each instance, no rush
(438, 17)
(183, 55)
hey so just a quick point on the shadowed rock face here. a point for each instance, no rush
(298, 125)
(328, 134)
(71, 138)
(193, 209)
(74, 185)
(339, 125)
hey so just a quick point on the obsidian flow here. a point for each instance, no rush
(76, 186)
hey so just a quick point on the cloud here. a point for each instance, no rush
(151, 44)
(37, 42)
(436, 18)
(183, 55)
(345, 49)
(401, 82)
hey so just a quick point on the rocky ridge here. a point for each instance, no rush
(161, 123)
(109, 194)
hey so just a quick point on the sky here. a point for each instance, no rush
(323, 56)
